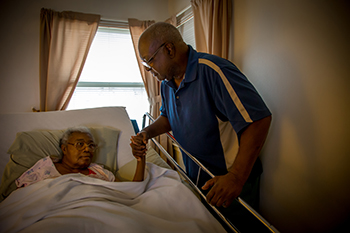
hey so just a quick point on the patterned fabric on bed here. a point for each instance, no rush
(45, 169)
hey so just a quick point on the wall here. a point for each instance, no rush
(296, 53)
(19, 41)
(176, 6)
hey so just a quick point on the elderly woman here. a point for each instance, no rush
(77, 145)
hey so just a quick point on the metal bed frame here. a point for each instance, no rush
(229, 224)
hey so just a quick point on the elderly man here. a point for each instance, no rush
(211, 107)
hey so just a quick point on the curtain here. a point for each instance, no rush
(65, 40)
(152, 85)
(212, 19)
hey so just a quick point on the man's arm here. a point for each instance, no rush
(227, 187)
(138, 143)
(159, 126)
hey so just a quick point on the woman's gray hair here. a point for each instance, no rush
(76, 129)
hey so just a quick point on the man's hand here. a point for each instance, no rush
(224, 189)
(138, 144)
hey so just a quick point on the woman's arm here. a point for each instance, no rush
(138, 143)
(140, 168)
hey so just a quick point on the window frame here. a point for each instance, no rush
(181, 18)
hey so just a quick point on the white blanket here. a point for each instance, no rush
(77, 203)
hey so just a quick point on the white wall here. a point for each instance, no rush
(297, 55)
(19, 40)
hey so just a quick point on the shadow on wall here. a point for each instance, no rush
(300, 172)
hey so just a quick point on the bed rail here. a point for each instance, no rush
(195, 187)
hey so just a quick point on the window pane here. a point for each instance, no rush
(187, 32)
(111, 58)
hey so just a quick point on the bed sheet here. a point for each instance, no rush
(77, 203)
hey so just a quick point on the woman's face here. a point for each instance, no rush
(75, 158)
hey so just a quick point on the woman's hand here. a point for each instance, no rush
(141, 163)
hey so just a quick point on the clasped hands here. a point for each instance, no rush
(224, 189)
(138, 145)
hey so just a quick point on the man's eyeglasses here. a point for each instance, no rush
(146, 63)
(82, 145)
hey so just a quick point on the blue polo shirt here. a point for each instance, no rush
(213, 103)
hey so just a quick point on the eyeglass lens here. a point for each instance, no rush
(82, 145)
(146, 63)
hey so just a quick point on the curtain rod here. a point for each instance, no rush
(114, 23)
(182, 17)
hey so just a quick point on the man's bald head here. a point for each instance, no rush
(160, 32)
(163, 52)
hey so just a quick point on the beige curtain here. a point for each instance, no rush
(152, 85)
(212, 19)
(65, 40)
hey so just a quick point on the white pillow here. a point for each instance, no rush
(31, 146)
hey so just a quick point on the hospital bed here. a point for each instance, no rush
(260, 224)
(163, 202)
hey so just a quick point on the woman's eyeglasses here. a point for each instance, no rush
(82, 145)
(146, 63)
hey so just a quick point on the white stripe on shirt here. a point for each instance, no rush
(229, 88)
(229, 142)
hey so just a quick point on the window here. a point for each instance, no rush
(111, 76)
(185, 24)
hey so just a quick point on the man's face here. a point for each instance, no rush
(155, 60)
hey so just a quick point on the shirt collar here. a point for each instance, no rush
(191, 68)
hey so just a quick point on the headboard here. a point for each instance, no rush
(116, 117)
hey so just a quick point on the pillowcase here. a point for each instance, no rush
(31, 146)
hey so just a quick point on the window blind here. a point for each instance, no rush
(185, 24)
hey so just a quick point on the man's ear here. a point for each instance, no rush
(170, 47)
